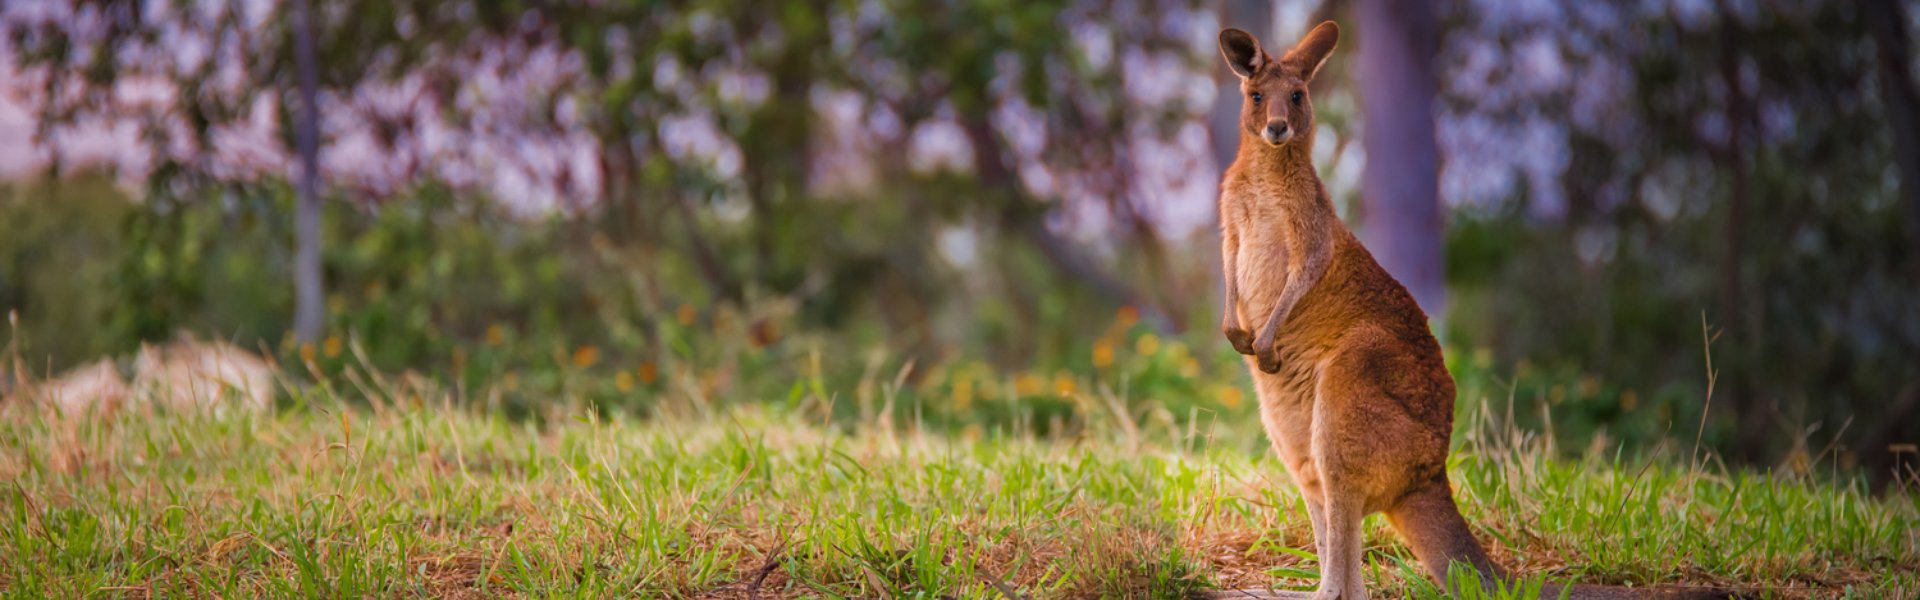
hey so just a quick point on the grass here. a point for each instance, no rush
(422, 500)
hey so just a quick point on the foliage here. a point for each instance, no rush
(61, 247)
(514, 313)
(1726, 187)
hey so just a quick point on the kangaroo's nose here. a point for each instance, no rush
(1277, 132)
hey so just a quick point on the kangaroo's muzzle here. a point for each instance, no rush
(1276, 132)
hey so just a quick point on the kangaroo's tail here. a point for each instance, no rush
(1433, 527)
(1431, 524)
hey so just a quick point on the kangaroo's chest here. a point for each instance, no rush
(1262, 257)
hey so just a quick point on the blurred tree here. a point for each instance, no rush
(1401, 220)
(1888, 20)
(309, 320)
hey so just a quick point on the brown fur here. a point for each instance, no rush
(1353, 392)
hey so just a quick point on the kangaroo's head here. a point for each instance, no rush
(1275, 91)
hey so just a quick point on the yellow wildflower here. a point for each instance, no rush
(962, 393)
(648, 372)
(1229, 396)
(306, 352)
(623, 381)
(586, 356)
(686, 315)
(496, 334)
(1028, 384)
(1063, 383)
(1147, 345)
(331, 348)
(1102, 354)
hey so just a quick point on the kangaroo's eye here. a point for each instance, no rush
(1297, 95)
(1256, 97)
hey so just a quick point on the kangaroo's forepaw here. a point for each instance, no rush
(1269, 361)
(1265, 350)
(1241, 339)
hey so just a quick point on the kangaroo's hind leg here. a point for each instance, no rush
(1340, 540)
(1342, 473)
(1317, 512)
(1370, 442)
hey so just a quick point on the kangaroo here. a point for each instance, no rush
(1353, 393)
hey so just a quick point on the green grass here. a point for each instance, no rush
(412, 500)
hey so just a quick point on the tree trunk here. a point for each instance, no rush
(309, 317)
(1738, 320)
(1402, 221)
(1887, 19)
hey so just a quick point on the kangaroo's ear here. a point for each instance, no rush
(1313, 50)
(1242, 52)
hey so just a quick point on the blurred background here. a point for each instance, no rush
(1633, 222)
